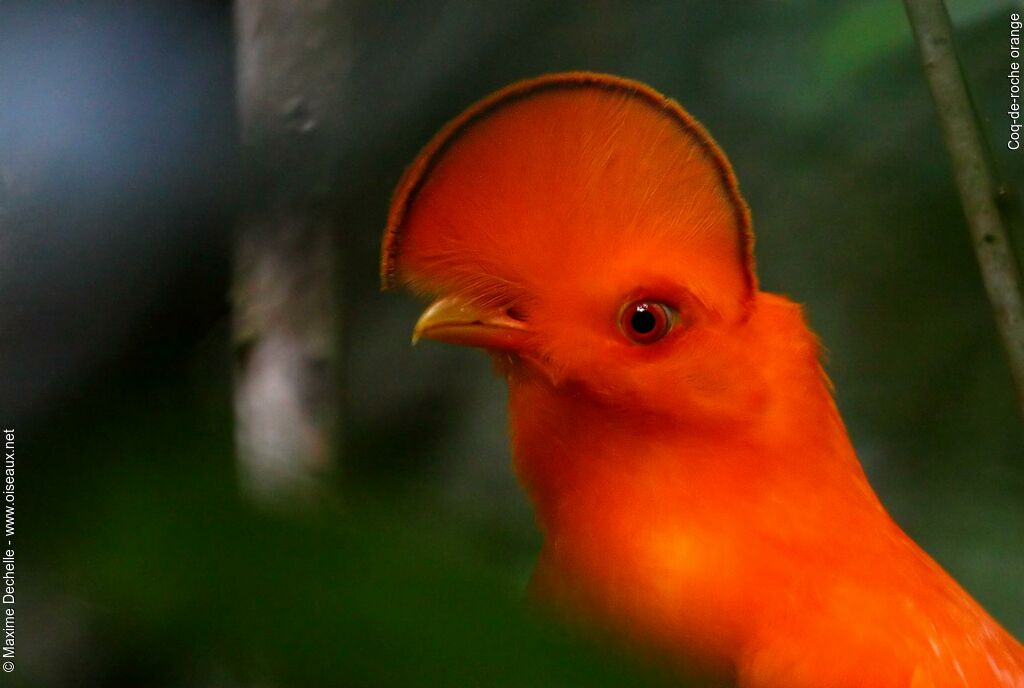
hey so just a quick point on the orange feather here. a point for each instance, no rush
(695, 484)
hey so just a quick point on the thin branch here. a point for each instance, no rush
(975, 175)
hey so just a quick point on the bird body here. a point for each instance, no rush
(672, 424)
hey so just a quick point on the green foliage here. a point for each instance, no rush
(185, 582)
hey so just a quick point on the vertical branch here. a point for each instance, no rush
(291, 63)
(976, 178)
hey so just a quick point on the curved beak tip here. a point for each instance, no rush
(457, 320)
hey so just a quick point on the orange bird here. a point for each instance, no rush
(672, 424)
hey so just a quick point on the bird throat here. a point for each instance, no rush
(659, 532)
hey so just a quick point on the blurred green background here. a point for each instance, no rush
(140, 565)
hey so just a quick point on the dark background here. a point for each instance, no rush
(138, 563)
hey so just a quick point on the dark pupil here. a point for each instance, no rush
(643, 321)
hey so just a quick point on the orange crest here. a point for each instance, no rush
(562, 175)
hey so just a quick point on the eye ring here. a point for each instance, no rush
(644, 321)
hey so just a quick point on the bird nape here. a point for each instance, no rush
(692, 477)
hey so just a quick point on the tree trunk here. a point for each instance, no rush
(291, 63)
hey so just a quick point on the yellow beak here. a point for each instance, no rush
(458, 321)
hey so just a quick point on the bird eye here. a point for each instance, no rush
(645, 322)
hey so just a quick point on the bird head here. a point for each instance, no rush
(589, 232)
